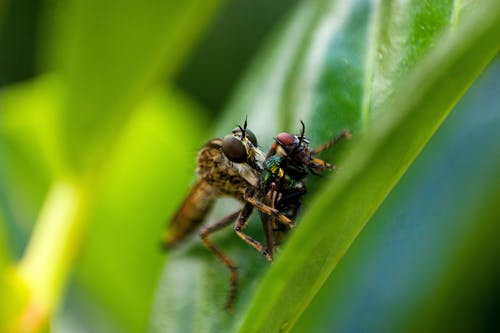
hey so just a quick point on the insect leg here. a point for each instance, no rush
(241, 223)
(344, 134)
(317, 165)
(267, 225)
(268, 210)
(233, 274)
(268, 221)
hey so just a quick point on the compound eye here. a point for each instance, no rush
(234, 149)
(249, 134)
(285, 139)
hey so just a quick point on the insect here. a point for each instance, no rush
(281, 187)
(230, 166)
(234, 166)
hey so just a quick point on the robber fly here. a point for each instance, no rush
(225, 166)
(230, 166)
(281, 186)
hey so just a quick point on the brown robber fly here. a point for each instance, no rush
(227, 166)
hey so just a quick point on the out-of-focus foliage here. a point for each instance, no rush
(97, 150)
(98, 134)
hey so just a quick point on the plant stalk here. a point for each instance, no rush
(52, 249)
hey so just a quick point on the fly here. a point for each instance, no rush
(230, 166)
(281, 186)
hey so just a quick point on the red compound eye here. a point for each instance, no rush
(285, 139)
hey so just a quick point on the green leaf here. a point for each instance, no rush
(322, 68)
(337, 61)
(377, 160)
(137, 196)
(28, 150)
(334, 64)
(5, 255)
(106, 57)
(3, 6)
(360, 65)
(108, 54)
(428, 259)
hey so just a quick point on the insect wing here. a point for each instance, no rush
(191, 214)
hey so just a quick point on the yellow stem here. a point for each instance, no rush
(50, 254)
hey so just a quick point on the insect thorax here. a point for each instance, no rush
(227, 177)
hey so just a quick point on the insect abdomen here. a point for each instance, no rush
(191, 213)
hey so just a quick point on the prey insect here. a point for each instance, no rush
(282, 187)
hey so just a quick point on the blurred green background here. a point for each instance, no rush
(90, 96)
(154, 152)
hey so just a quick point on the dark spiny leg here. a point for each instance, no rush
(268, 210)
(344, 134)
(268, 233)
(233, 274)
(267, 221)
(241, 223)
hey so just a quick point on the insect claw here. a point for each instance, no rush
(267, 255)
